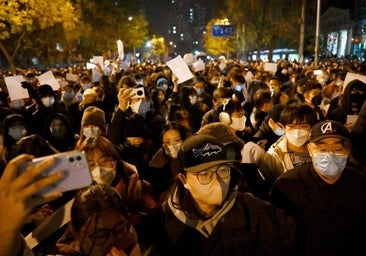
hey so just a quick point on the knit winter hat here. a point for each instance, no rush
(94, 116)
(90, 96)
(224, 133)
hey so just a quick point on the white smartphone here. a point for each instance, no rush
(75, 166)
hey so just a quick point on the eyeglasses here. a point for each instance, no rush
(101, 235)
(108, 162)
(206, 176)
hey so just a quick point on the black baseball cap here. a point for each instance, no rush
(329, 128)
(200, 152)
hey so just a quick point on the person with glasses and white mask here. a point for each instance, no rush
(327, 197)
(207, 211)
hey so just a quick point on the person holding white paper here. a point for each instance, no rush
(354, 96)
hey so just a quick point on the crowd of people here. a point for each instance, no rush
(238, 160)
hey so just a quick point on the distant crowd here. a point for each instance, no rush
(238, 160)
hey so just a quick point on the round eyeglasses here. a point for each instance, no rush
(101, 235)
(206, 176)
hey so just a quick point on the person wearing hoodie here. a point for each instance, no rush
(206, 212)
(352, 99)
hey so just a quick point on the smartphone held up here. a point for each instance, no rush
(75, 167)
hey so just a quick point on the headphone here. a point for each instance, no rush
(224, 117)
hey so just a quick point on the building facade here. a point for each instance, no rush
(343, 31)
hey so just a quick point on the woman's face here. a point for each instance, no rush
(106, 230)
(102, 166)
(58, 129)
(172, 142)
(171, 137)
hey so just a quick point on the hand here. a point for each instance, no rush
(124, 96)
(26, 84)
(175, 83)
(99, 69)
(18, 193)
(349, 126)
(18, 197)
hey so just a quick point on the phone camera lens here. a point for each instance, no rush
(139, 92)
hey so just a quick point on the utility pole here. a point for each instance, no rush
(302, 32)
(316, 49)
(243, 44)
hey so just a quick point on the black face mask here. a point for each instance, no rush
(59, 132)
(316, 100)
(358, 99)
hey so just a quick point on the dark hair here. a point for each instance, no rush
(85, 78)
(298, 114)
(261, 97)
(221, 92)
(310, 85)
(184, 94)
(231, 106)
(94, 199)
(127, 80)
(173, 126)
(107, 147)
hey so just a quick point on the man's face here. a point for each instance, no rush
(209, 187)
(275, 84)
(329, 157)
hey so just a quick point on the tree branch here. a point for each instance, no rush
(19, 41)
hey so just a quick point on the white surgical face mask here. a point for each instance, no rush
(48, 101)
(85, 86)
(297, 137)
(68, 95)
(199, 90)
(173, 150)
(91, 131)
(103, 174)
(272, 91)
(163, 86)
(238, 88)
(329, 164)
(279, 131)
(238, 123)
(214, 193)
(193, 99)
(17, 104)
(17, 132)
(140, 107)
(135, 106)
